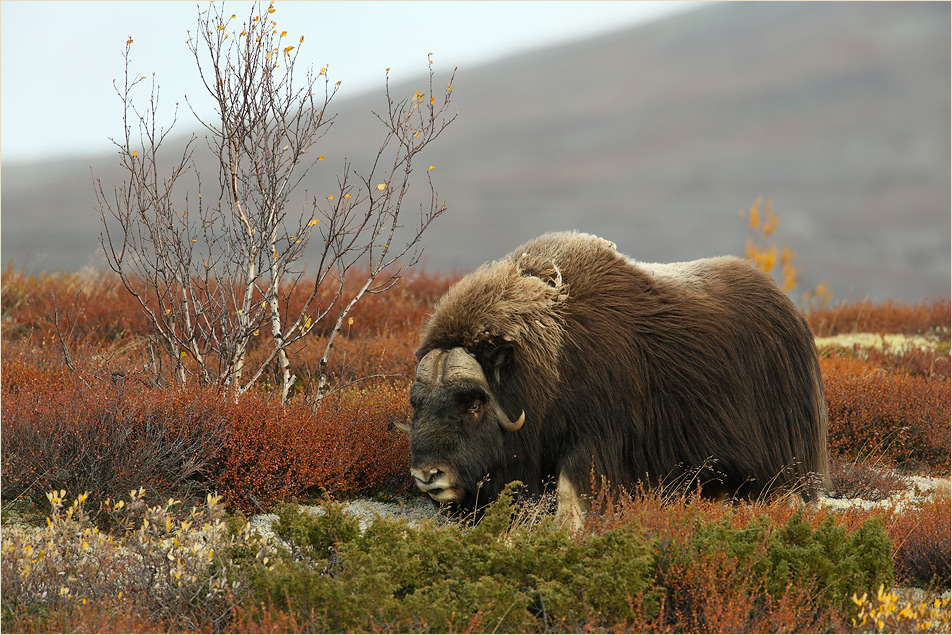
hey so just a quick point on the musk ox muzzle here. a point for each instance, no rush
(449, 374)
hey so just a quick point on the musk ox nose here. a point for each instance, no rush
(425, 476)
(439, 484)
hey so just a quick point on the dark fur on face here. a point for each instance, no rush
(631, 371)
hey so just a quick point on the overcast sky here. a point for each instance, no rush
(58, 59)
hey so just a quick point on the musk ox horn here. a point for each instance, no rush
(505, 423)
(461, 365)
(431, 367)
(440, 366)
(400, 425)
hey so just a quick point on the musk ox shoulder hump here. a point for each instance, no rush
(497, 303)
(519, 299)
(706, 274)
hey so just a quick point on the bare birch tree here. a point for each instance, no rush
(211, 272)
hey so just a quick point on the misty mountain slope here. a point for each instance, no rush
(655, 137)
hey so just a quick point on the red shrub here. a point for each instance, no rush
(865, 316)
(864, 478)
(922, 539)
(93, 306)
(347, 446)
(104, 437)
(60, 433)
(387, 355)
(921, 362)
(903, 418)
(100, 616)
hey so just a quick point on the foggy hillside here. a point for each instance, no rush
(653, 137)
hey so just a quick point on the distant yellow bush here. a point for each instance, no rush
(763, 251)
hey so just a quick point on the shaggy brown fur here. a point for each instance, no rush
(638, 371)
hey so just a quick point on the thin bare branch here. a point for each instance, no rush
(210, 272)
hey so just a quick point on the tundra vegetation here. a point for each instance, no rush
(177, 556)
(127, 483)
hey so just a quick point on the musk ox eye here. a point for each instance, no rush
(476, 408)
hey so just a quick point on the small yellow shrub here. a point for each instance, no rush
(181, 568)
(888, 615)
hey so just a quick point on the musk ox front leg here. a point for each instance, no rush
(572, 506)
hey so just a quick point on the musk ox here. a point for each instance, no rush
(567, 359)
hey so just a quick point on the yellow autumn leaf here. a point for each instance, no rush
(221, 27)
(346, 195)
(264, 304)
(134, 153)
(350, 321)
(307, 322)
(330, 197)
(320, 158)
(382, 186)
(256, 332)
(301, 41)
(183, 354)
(313, 221)
(288, 49)
(129, 41)
(284, 33)
(754, 218)
(432, 167)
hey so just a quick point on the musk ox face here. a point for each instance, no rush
(457, 429)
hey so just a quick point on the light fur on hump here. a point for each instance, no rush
(517, 300)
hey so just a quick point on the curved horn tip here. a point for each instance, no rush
(401, 426)
(511, 426)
